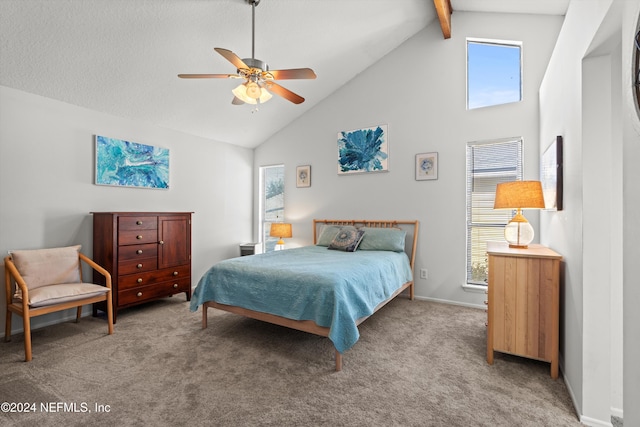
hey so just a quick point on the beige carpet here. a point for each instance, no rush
(417, 363)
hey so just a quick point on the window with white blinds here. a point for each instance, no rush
(271, 203)
(488, 164)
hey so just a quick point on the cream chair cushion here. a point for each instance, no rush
(56, 294)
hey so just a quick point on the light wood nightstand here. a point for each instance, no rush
(523, 305)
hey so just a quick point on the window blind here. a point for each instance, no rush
(488, 164)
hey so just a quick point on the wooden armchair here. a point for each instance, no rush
(49, 280)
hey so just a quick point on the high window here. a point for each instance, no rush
(494, 72)
(488, 164)
(271, 202)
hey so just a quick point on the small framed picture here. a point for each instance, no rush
(303, 176)
(426, 166)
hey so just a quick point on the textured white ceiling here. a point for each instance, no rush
(122, 57)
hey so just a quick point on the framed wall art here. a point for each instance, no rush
(303, 176)
(363, 150)
(426, 166)
(130, 164)
(551, 175)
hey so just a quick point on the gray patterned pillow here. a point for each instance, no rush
(347, 239)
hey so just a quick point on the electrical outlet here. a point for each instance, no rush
(423, 273)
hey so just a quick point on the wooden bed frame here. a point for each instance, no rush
(309, 325)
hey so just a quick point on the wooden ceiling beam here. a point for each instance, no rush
(443, 7)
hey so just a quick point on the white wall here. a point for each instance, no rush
(419, 91)
(47, 175)
(582, 99)
(631, 221)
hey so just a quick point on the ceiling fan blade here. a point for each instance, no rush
(231, 57)
(285, 93)
(237, 101)
(293, 73)
(208, 76)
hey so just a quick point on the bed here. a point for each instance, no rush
(313, 288)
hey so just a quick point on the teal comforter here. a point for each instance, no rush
(332, 288)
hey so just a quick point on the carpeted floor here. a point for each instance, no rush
(417, 363)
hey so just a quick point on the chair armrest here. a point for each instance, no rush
(12, 272)
(98, 268)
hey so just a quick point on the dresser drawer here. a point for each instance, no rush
(137, 237)
(146, 278)
(137, 223)
(150, 250)
(159, 290)
(137, 265)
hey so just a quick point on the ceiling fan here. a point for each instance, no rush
(259, 80)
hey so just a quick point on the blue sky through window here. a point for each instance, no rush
(493, 73)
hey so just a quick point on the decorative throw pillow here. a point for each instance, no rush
(347, 239)
(383, 239)
(327, 234)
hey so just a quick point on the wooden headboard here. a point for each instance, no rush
(411, 227)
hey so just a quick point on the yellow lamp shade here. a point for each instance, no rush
(280, 230)
(519, 194)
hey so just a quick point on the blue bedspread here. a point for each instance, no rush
(332, 288)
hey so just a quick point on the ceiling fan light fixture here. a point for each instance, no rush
(256, 74)
(253, 90)
(251, 93)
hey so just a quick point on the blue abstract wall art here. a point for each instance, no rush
(129, 164)
(363, 150)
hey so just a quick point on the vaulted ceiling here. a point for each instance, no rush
(122, 57)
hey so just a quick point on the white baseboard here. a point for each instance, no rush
(446, 301)
(592, 422)
(617, 412)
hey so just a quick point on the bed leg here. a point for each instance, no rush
(411, 292)
(204, 316)
(338, 361)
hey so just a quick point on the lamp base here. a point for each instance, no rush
(518, 232)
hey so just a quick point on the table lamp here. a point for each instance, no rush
(280, 230)
(519, 195)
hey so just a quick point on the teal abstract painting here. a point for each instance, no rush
(129, 164)
(363, 150)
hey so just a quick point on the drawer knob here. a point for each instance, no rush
(175, 273)
(139, 251)
(175, 286)
(140, 280)
(139, 265)
(139, 294)
(161, 242)
(486, 302)
(138, 237)
(139, 222)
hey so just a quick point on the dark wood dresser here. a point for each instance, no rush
(147, 253)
